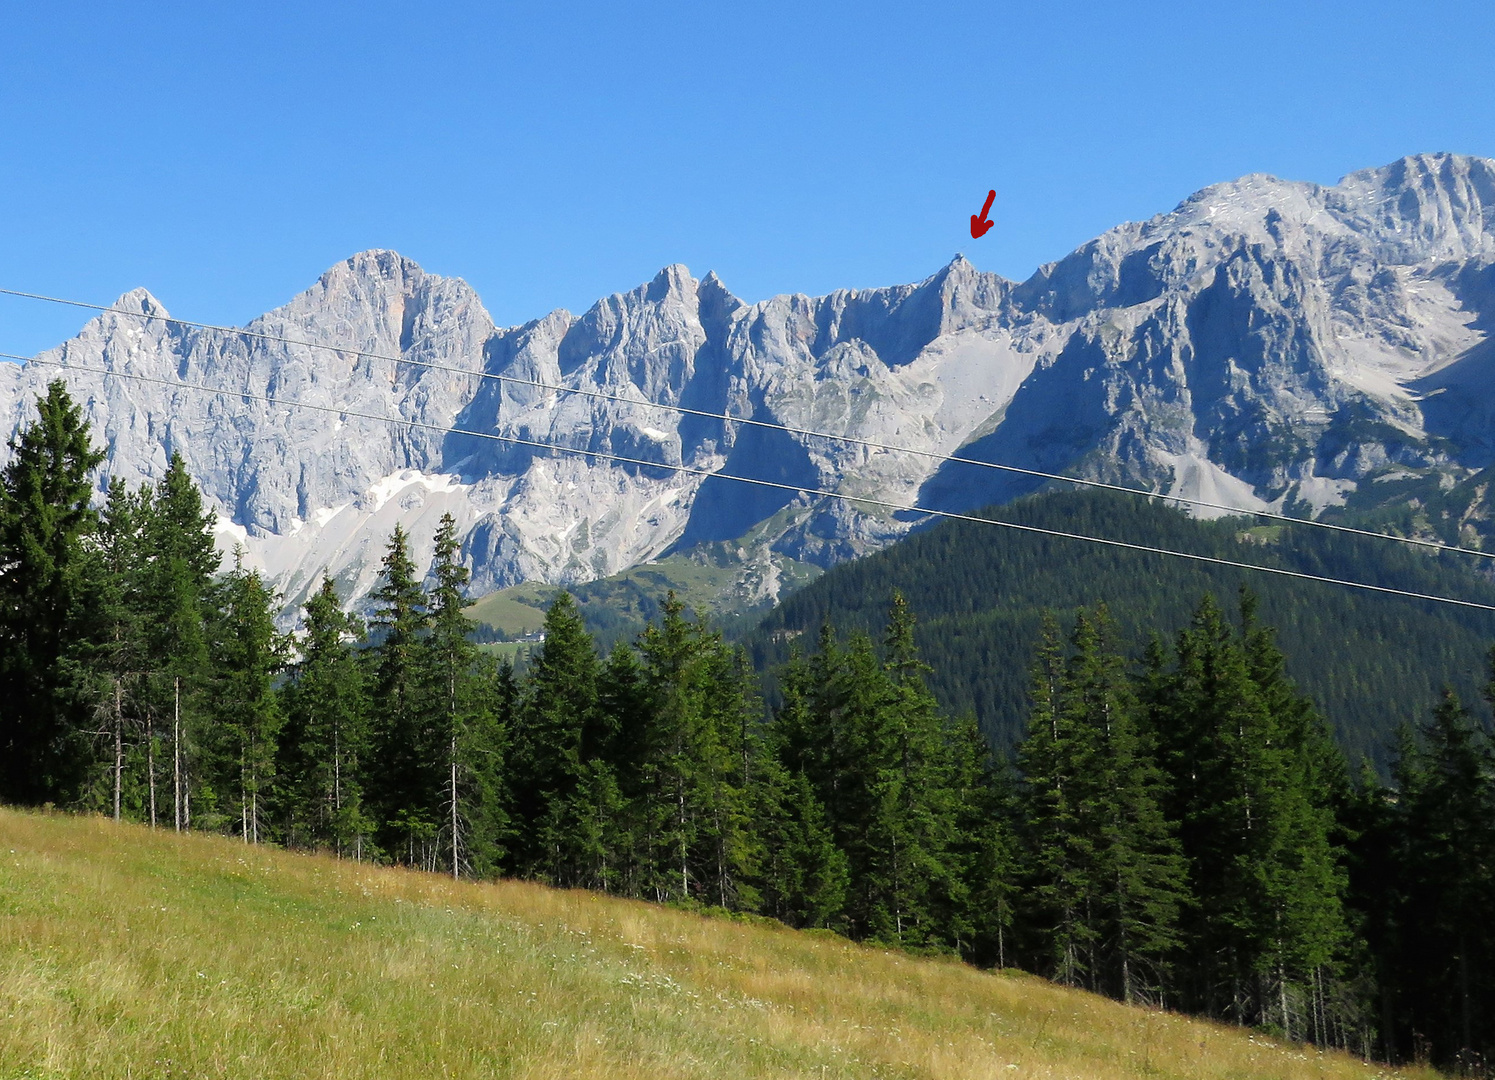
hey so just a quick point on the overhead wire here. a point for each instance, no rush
(849, 440)
(707, 473)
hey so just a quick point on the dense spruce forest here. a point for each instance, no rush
(1175, 825)
(1369, 661)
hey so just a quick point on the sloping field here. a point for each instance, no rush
(131, 953)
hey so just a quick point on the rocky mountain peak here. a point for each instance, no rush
(674, 280)
(1423, 208)
(1265, 343)
(140, 300)
(718, 303)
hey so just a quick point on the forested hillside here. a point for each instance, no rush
(1370, 661)
(1176, 826)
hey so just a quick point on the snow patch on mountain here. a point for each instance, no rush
(387, 487)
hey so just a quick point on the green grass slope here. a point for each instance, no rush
(1369, 660)
(131, 953)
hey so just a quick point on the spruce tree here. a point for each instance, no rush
(1138, 872)
(911, 783)
(1312, 928)
(1443, 864)
(406, 779)
(605, 810)
(867, 736)
(182, 559)
(810, 732)
(472, 818)
(45, 517)
(247, 654)
(1369, 823)
(694, 809)
(805, 875)
(731, 752)
(850, 707)
(325, 748)
(1269, 920)
(619, 744)
(984, 852)
(801, 876)
(117, 658)
(558, 709)
(1059, 853)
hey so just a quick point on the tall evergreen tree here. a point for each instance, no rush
(984, 852)
(182, 559)
(1443, 867)
(45, 517)
(117, 659)
(247, 653)
(1059, 854)
(1269, 920)
(1312, 933)
(811, 733)
(909, 766)
(695, 809)
(407, 779)
(324, 754)
(1138, 872)
(558, 711)
(614, 793)
(802, 876)
(867, 736)
(469, 740)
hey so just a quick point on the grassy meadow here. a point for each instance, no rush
(131, 953)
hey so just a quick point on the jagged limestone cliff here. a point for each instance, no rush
(1267, 343)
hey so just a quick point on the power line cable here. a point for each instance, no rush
(849, 440)
(692, 471)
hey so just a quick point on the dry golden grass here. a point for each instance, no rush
(128, 953)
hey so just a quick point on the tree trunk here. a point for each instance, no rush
(1287, 1023)
(119, 745)
(186, 773)
(684, 866)
(176, 751)
(456, 866)
(1464, 992)
(150, 760)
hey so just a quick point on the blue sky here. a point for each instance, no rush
(224, 155)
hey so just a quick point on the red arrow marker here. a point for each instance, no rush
(980, 224)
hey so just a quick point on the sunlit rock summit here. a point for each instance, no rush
(1265, 344)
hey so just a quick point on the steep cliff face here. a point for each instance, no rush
(1266, 343)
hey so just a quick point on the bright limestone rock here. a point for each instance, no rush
(1267, 343)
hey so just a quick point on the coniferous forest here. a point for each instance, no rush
(1175, 826)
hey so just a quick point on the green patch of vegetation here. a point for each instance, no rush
(514, 612)
(148, 965)
(724, 581)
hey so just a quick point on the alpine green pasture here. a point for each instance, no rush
(725, 581)
(126, 952)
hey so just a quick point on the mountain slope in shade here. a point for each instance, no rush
(1265, 344)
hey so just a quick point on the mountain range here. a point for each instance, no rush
(1266, 344)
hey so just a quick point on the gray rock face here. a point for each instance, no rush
(1265, 344)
